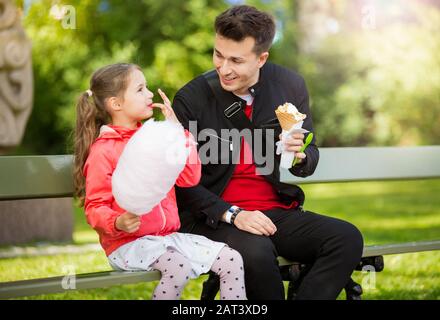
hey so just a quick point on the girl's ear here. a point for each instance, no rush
(114, 104)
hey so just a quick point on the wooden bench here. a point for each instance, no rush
(30, 177)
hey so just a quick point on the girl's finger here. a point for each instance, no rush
(166, 111)
(164, 98)
(134, 219)
(134, 226)
(162, 107)
(158, 105)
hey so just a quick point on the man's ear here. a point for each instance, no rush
(262, 58)
(114, 104)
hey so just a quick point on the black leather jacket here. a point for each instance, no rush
(197, 102)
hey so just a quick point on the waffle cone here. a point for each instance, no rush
(287, 121)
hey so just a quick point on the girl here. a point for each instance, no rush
(108, 114)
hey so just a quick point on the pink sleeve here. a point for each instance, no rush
(98, 171)
(190, 176)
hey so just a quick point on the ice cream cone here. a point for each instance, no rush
(288, 119)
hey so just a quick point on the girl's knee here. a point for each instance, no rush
(233, 255)
(174, 268)
(228, 258)
(182, 265)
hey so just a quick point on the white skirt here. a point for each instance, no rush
(141, 253)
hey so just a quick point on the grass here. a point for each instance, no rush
(385, 212)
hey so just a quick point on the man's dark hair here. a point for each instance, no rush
(243, 21)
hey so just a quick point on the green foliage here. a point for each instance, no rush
(367, 87)
(171, 40)
(380, 86)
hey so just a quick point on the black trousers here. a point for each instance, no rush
(332, 246)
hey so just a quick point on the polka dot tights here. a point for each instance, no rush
(229, 266)
(176, 270)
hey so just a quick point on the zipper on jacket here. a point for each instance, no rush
(164, 218)
(230, 177)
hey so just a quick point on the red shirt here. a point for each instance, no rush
(248, 190)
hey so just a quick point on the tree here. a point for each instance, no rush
(171, 40)
(378, 86)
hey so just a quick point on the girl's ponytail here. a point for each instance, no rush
(86, 131)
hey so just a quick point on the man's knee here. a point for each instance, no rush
(351, 239)
(260, 253)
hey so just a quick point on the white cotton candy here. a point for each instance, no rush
(149, 166)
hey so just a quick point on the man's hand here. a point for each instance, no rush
(293, 143)
(128, 222)
(255, 222)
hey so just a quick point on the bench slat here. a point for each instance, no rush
(379, 250)
(372, 163)
(82, 281)
(16, 289)
(30, 177)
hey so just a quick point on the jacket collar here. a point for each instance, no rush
(111, 132)
(256, 88)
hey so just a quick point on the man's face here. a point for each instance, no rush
(237, 64)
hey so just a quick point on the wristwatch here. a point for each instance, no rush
(229, 213)
(232, 213)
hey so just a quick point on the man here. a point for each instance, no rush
(235, 202)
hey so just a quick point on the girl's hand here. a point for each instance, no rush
(166, 109)
(128, 222)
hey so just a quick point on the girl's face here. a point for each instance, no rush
(137, 103)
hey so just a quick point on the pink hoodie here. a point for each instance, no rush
(100, 206)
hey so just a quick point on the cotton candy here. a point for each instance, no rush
(149, 165)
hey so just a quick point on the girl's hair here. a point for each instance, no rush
(91, 114)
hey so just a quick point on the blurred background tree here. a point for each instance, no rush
(373, 70)
(372, 67)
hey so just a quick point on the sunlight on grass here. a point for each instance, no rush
(86, 236)
(48, 266)
(408, 276)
